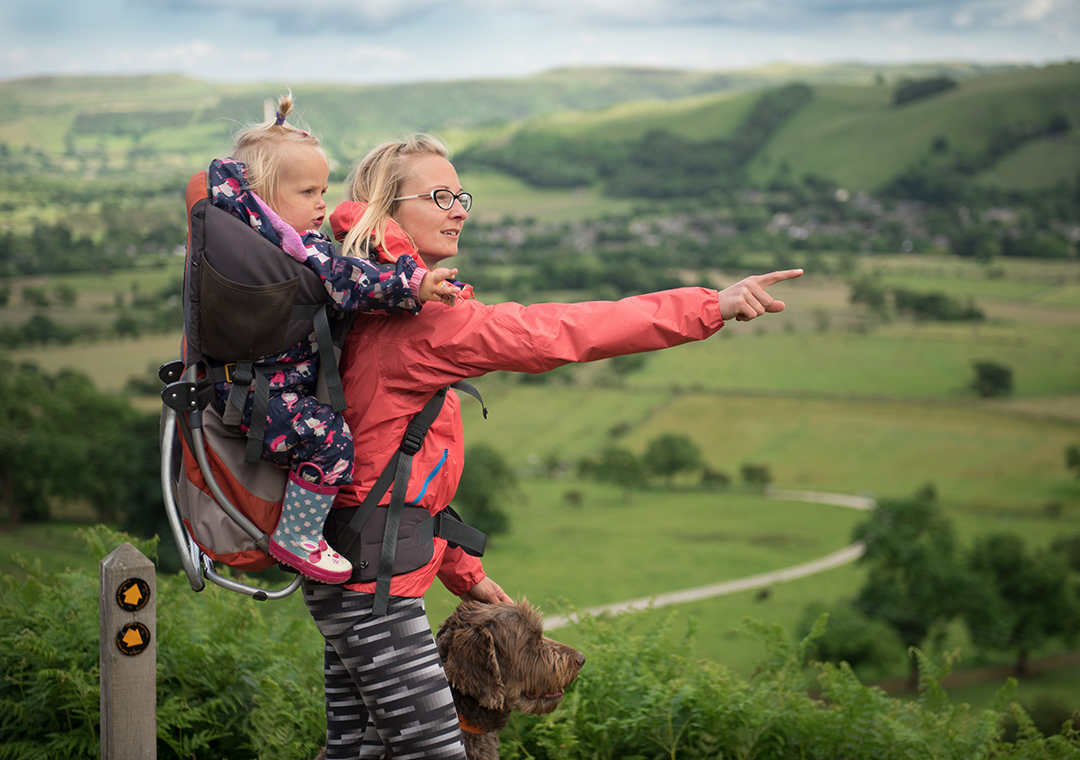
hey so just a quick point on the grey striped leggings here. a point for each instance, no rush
(385, 686)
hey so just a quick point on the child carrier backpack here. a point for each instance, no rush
(221, 499)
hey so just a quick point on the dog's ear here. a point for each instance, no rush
(472, 667)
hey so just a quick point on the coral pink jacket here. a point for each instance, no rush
(392, 365)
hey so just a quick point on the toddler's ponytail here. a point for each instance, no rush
(259, 147)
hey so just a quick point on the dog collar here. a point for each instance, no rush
(469, 727)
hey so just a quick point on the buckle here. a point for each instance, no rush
(413, 441)
(228, 372)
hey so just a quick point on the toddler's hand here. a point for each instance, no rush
(435, 285)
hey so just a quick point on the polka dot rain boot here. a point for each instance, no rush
(298, 540)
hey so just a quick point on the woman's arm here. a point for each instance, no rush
(461, 572)
(543, 336)
(472, 339)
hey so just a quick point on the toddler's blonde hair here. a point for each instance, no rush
(261, 148)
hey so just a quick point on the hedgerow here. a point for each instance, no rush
(236, 680)
(641, 698)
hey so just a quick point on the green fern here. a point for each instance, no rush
(243, 680)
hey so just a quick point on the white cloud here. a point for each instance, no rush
(365, 16)
(176, 54)
(376, 41)
(963, 18)
(311, 16)
(376, 53)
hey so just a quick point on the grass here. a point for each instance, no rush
(880, 448)
(840, 133)
(707, 117)
(1036, 166)
(55, 544)
(615, 547)
(499, 196)
(111, 363)
(881, 412)
(1063, 682)
(895, 362)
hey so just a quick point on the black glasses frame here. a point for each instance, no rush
(464, 198)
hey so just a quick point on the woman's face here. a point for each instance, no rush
(434, 230)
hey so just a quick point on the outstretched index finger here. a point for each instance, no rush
(765, 280)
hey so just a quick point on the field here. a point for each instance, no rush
(840, 134)
(827, 397)
(879, 411)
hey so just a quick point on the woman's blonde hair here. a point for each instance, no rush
(259, 147)
(377, 180)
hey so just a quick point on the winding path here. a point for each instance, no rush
(848, 554)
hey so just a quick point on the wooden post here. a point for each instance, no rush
(128, 656)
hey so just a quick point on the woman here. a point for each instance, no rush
(406, 198)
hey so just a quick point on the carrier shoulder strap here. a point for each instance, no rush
(243, 373)
(397, 471)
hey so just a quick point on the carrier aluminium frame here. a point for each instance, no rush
(181, 414)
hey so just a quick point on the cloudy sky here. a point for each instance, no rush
(382, 41)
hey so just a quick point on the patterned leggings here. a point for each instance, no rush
(385, 685)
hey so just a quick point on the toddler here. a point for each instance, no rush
(275, 181)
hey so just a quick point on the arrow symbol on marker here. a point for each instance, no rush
(133, 596)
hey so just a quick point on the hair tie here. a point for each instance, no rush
(280, 119)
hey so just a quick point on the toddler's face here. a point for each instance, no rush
(300, 191)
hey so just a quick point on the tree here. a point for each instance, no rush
(1020, 599)
(1072, 459)
(620, 466)
(992, 379)
(61, 438)
(915, 581)
(871, 294)
(486, 482)
(670, 454)
(849, 637)
(908, 90)
(1069, 548)
(756, 476)
(714, 479)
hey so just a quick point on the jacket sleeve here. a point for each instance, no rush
(471, 339)
(459, 571)
(356, 284)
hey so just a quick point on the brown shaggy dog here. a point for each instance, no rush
(498, 660)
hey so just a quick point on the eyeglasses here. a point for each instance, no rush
(444, 199)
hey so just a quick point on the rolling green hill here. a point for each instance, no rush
(1008, 130)
(182, 122)
(855, 136)
(823, 398)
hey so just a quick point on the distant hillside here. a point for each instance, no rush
(1011, 130)
(101, 161)
(858, 138)
(97, 123)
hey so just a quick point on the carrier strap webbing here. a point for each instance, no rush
(414, 438)
(448, 525)
(328, 366)
(397, 471)
(257, 431)
(244, 373)
(240, 377)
